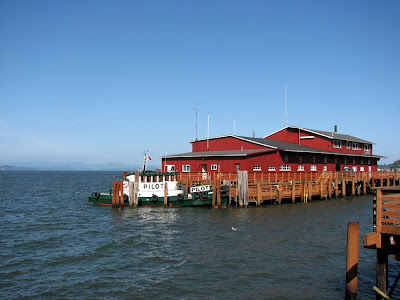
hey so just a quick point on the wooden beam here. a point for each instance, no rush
(353, 229)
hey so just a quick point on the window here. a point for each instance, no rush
(369, 161)
(170, 168)
(354, 161)
(348, 145)
(337, 144)
(300, 159)
(285, 159)
(345, 161)
(313, 168)
(361, 169)
(355, 146)
(355, 169)
(335, 160)
(271, 168)
(362, 162)
(284, 168)
(325, 160)
(313, 159)
(300, 168)
(214, 167)
(237, 166)
(256, 168)
(186, 168)
(325, 168)
(367, 148)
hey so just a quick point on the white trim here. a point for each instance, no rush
(307, 137)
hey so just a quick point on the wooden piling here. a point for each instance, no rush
(166, 194)
(214, 195)
(114, 198)
(381, 271)
(219, 193)
(343, 187)
(293, 191)
(131, 185)
(353, 229)
(353, 187)
(336, 188)
(258, 194)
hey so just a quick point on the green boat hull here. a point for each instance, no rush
(187, 200)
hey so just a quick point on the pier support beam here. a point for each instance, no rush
(353, 229)
(381, 271)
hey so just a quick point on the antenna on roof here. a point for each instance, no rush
(285, 104)
(195, 112)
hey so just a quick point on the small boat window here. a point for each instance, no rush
(155, 178)
(160, 178)
(148, 179)
(142, 178)
(166, 177)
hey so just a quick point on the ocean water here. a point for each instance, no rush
(56, 245)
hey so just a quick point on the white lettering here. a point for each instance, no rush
(201, 188)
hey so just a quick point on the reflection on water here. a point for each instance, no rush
(55, 245)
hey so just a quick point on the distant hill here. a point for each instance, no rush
(68, 166)
(14, 168)
(393, 166)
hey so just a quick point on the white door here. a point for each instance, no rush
(204, 171)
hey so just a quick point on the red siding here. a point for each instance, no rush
(291, 135)
(224, 143)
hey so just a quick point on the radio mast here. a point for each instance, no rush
(285, 104)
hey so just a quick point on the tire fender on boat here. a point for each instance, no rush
(204, 194)
(96, 195)
(180, 197)
(196, 195)
(154, 198)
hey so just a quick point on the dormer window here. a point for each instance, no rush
(337, 144)
(348, 145)
(355, 146)
(367, 148)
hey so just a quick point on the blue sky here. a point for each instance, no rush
(102, 81)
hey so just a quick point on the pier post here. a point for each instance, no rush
(214, 195)
(336, 188)
(258, 193)
(121, 198)
(219, 193)
(113, 199)
(329, 187)
(131, 192)
(381, 271)
(293, 190)
(353, 187)
(321, 189)
(343, 188)
(364, 185)
(166, 194)
(353, 229)
(302, 191)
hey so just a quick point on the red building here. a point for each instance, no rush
(289, 149)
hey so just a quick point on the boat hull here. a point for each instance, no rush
(184, 200)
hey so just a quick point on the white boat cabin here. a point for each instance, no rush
(154, 184)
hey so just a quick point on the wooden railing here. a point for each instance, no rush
(288, 176)
(386, 216)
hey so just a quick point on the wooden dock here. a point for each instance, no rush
(278, 187)
(385, 237)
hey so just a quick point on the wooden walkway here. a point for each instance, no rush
(277, 187)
